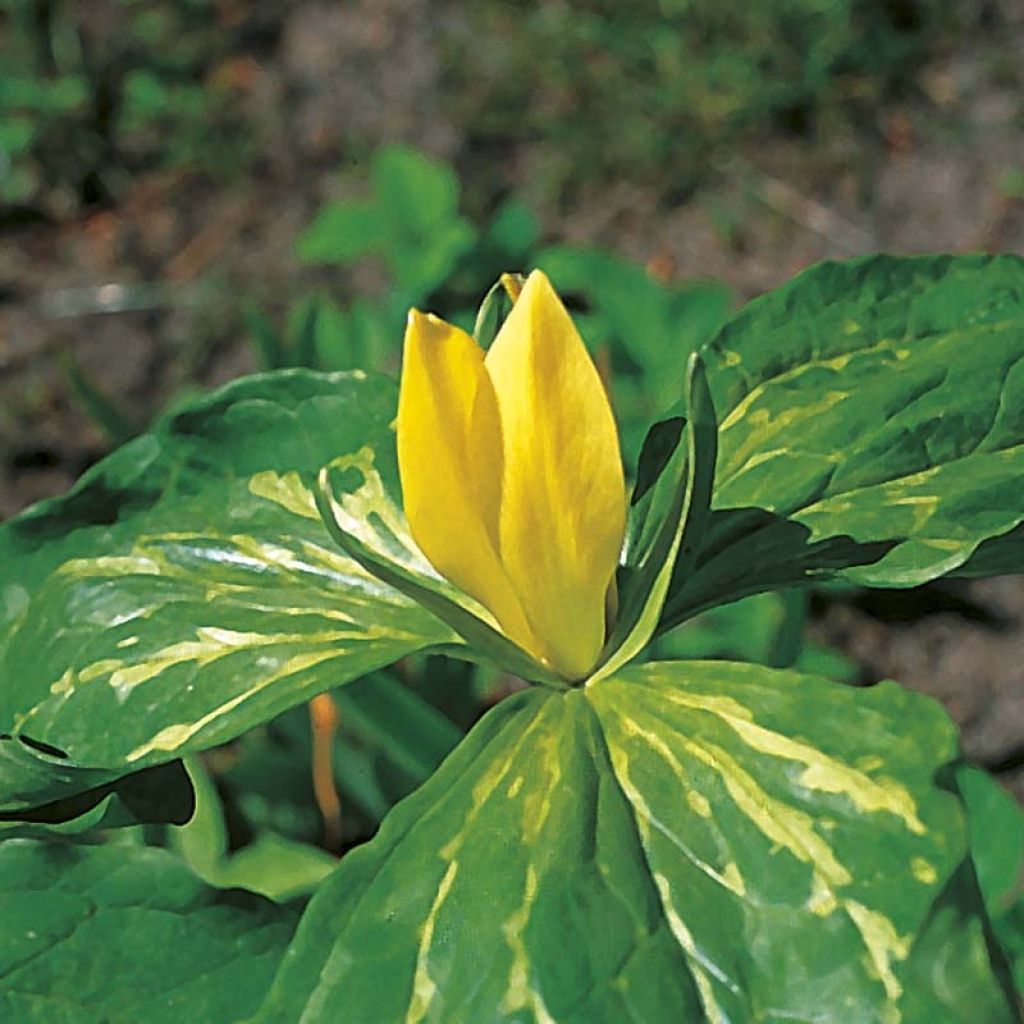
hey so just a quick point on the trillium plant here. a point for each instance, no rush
(620, 838)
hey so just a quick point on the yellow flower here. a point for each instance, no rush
(511, 474)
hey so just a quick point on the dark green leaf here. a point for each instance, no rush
(122, 935)
(308, 318)
(162, 793)
(679, 508)
(392, 719)
(267, 344)
(659, 446)
(764, 628)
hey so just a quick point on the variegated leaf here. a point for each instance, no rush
(702, 842)
(872, 426)
(186, 589)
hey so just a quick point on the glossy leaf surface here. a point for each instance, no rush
(126, 934)
(679, 842)
(871, 427)
(186, 589)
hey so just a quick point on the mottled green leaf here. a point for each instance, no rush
(128, 934)
(466, 617)
(702, 842)
(872, 426)
(186, 590)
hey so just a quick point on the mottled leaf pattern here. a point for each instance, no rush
(705, 842)
(872, 425)
(676, 843)
(186, 589)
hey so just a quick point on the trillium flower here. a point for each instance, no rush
(512, 476)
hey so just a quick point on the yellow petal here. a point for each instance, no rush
(562, 511)
(449, 462)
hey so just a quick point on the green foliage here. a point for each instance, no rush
(765, 628)
(997, 850)
(640, 329)
(89, 101)
(272, 865)
(684, 840)
(676, 506)
(412, 222)
(257, 823)
(222, 602)
(870, 428)
(124, 934)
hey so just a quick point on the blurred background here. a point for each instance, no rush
(195, 189)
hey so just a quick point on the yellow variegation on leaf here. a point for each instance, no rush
(512, 477)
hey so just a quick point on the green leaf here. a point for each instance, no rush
(496, 305)
(115, 423)
(421, 265)
(680, 504)
(412, 734)
(423, 585)
(997, 837)
(267, 345)
(418, 200)
(512, 233)
(997, 852)
(412, 222)
(701, 842)
(272, 865)
(304, 323)
(121, 935)
(871, 428)
(276, 867)
(161, 794)
(659, 446)
(342, 232)
(414, 191)
(185, 590)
